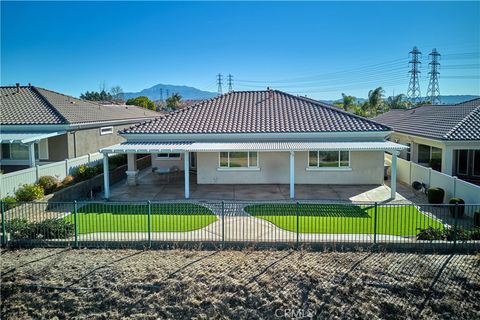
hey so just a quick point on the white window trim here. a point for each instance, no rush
(110, 130)
(47, 156)
(317, 168)
(253, 168)
(168, 158)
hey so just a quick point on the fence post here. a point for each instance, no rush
(37, 172)
(66, 168)
(298, 223)
(375, 223)
(4, 233)
(455, 222)
(75, 224)
(149, 224)
(223, 224)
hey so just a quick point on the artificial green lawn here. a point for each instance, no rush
(174, 217)
(345, 219)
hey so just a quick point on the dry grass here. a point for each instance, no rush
(184, 284)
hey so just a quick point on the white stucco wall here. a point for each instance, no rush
(366, 168)
(157, 163)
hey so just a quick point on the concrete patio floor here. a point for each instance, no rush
(153, 187)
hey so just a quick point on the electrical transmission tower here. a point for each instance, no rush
(168, 92)
(161, 94)
(433, 89)
(413, 91)
(219, 83)
(230, 83)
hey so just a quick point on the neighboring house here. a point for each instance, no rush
(262, 137)
(40, 126)
(444, 137)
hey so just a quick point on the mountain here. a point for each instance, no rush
(446, 99)
(188, 93)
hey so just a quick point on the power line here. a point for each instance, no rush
(413, 91)
(433, 90)
(219, 83)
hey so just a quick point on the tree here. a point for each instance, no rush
(174, 101)
(142, 102)
(348, 101)
(397, 102)
(375, 100)
(117, 93)
(96, 96)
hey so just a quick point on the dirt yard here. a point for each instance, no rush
(181, 284)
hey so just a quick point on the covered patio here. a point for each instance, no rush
(292, 190)
(151, 186)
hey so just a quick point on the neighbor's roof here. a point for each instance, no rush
(472, 102)
(442, 122)
(33, 105)
(268, 111)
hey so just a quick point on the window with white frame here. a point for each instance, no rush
(168, 156)
(106, 130)
(17, 151)
(329, 159)
(244, 159)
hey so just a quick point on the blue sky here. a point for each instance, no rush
(319, 49)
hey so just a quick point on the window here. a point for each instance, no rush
(406, 154)
(238, 160)
(106, 130)
(476, 163)
(423, 153)
(329, 159)
(462, 162)
(430, 156)
(17, 151)
(168, 156)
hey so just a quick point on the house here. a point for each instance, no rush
(261, 137)
(40, 126)
(443, 137)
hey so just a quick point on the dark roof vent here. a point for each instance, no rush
(18, 87)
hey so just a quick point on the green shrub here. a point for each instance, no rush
(117, 160)
(52, 229)
(48, 183)
(18, 228)
(29, 192)
(435, 195)
(458, 232)
(9, 202)
(430, 234)
(47, 229)
(459, 204)
(476, 219)
(85, 172)
(475, 234)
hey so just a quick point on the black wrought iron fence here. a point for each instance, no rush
(103, 224)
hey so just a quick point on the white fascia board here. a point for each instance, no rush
(333, 136)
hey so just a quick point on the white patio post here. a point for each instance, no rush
(393, 182)
(31, 154)
(186, 162)
(292, 174)
(106, 177)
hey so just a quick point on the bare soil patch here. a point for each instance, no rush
(186, 284)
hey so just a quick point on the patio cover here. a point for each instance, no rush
(154, 147)
(26, 137)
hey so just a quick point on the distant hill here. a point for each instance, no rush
(447, 99)
(188, 93)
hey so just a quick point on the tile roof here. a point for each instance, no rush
(472, 102)
(269, 111)
(442, 122)
(33, 105)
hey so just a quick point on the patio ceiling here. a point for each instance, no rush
(26, 137)
(152, 147)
